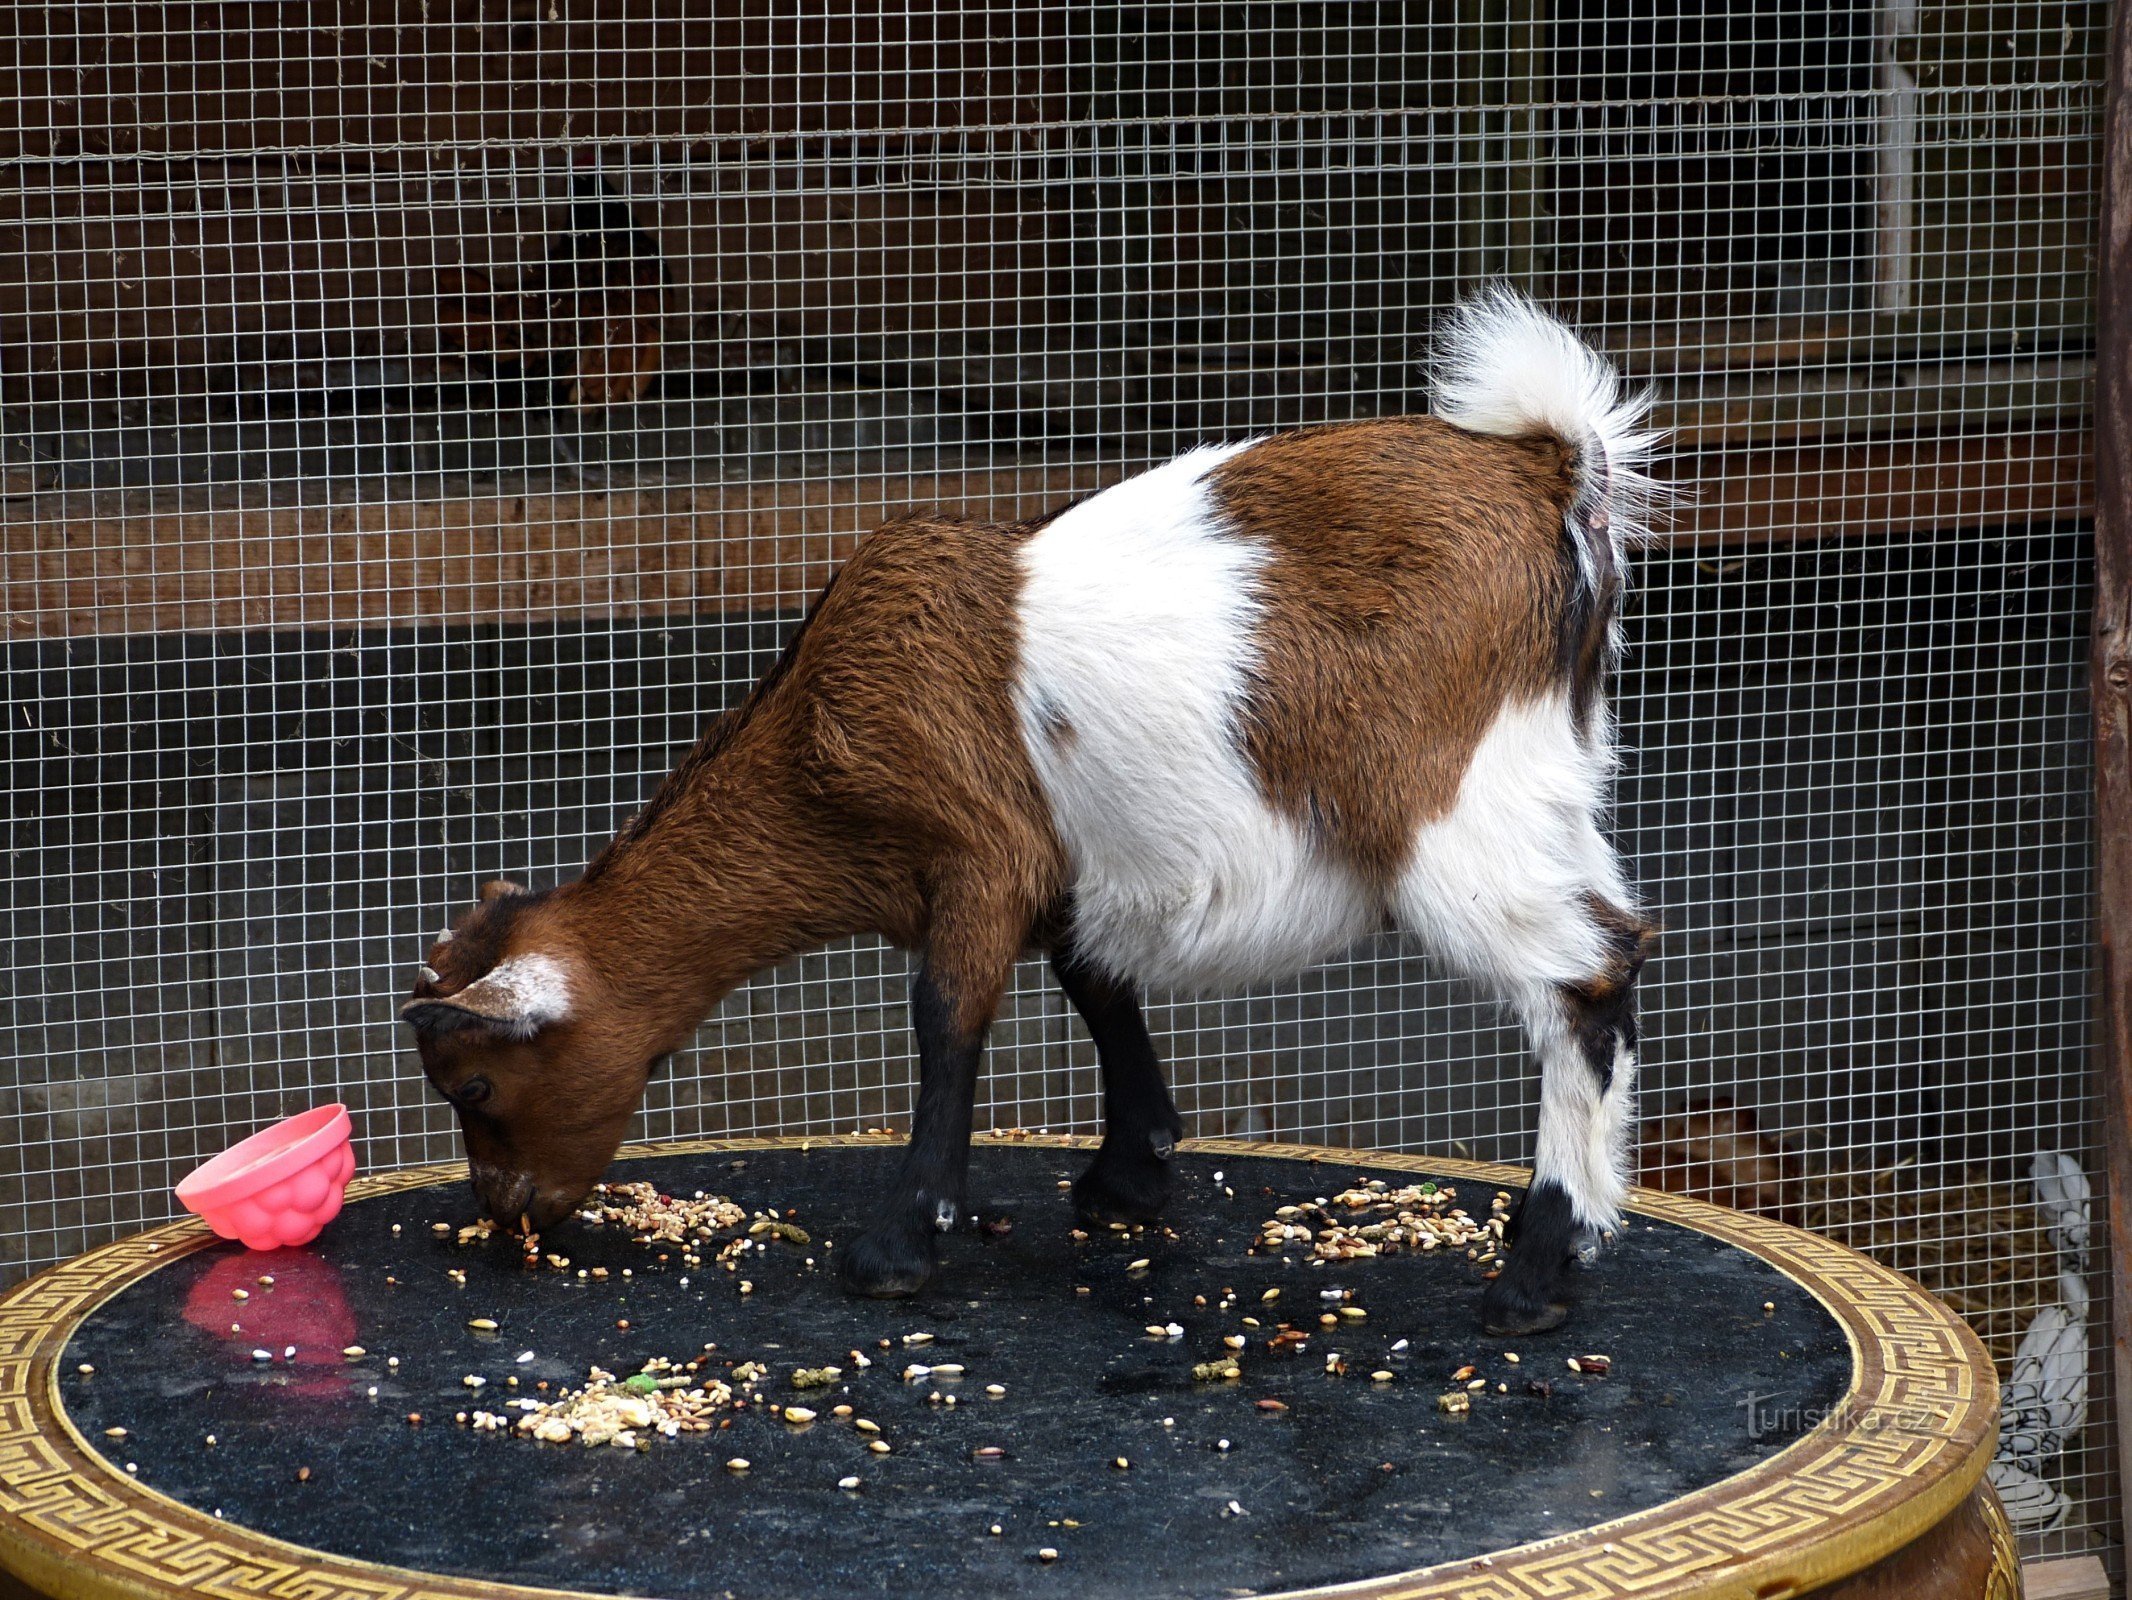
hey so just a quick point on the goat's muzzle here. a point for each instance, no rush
(513, 1197)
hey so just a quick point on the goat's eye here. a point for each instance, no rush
(472, 1092)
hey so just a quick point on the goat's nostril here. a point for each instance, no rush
(505, 1196)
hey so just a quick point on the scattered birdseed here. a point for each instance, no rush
(738, 1464)
(1591, 1366)
(1137, 1266)
(240, 1294)
(354, 1352)
(1381, 1376)
(995, 1390)
(1510, 1356)
(1769, 1305)
(1271, 1405)
(1120, 1462)
(303, 1474)
(114, 1433)
(262, 1355)
(86, 1370)
(847, 1483)
(878, 1446)
(1213, 1371)
(1455, 1403)
(482, 1324)
(1047, 1554)
(798, 1414)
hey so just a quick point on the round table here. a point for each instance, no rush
(1775, 1414)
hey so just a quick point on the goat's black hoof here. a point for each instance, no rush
(1508, 1309)
(1120, 1187)
(888, 1262)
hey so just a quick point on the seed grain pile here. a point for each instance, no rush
(663, 1398)
(1375, 1219)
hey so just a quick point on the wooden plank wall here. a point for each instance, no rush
(278, 338)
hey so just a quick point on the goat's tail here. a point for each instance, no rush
(1501, 365)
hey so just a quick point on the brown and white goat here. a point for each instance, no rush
(1202, 729)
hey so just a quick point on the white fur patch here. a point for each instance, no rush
(1137, 615)
(1498, 885)
(521, 995)
(1501, 365)
(1501, 888)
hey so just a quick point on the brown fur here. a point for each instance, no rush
(1418, 581)
(874, 782)
(1713, 1150)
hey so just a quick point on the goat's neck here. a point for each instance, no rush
(736, 873)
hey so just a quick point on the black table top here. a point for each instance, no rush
(1352, 1480)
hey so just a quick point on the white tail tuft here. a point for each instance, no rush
(1501, 365)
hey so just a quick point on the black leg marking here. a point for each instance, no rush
(1533, 1292)
(1129, 1180)
(897, 1255)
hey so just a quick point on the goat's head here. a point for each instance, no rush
(542, 1060)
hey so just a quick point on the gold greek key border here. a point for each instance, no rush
(1900, 1451)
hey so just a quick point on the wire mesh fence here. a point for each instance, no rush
(417, 423)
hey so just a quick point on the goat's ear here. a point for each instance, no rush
(497, 888)
(514, 1001)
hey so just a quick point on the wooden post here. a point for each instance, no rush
(2110, 682)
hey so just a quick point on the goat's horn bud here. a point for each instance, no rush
(445, 937)
(428, 973)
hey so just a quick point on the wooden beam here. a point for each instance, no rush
(87, 562)
(2065, 1578)
(2110, 685)
(1884, 490)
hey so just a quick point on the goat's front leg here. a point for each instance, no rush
(1129, 1181)
(952, 1005)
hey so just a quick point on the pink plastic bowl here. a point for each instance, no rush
(280, 1186)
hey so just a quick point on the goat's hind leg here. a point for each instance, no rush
(1517, 888)
(1129, 1180)
(1584, 1033)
